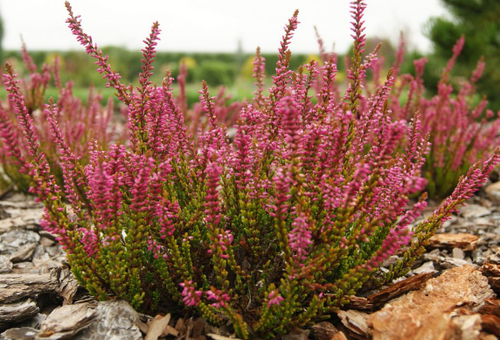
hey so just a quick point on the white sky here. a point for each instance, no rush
(211, 25)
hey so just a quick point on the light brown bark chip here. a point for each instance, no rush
(430, 312)
(65, 321)
(355, 321)
(466, 242)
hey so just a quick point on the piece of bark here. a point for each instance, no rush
(294, 334)
(196, 327)
(5, 264)
(18, 286)
(493, 192)
(143, 327)
(180, 326)
(18, 311)
(68, 286)
(427, 313)
(491, 306)
(426, 267)
(492, 271)
(22, 333)
(491, 324)
(400, 288)
(355, 321)
(24, 253)
(65, 321)
(114, 320)
(474, 211)
(466, 327)
(487, 336)
(359, 303)
(158, 327)
(323, 331)
(466, 242)
(339, 336)
(220, 337)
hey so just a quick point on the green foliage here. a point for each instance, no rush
(216, 73)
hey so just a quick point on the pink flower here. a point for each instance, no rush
(217, 295)
(190, 295)
(300, 237)
(274, 298)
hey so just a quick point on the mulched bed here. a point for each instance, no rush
(451, 293)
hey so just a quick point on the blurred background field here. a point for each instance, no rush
(478, 20)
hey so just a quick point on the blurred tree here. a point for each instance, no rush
(479, 21)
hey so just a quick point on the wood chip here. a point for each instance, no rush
(491, 306)
(158, 326)
(114, 319)
(465, 327)
(23, 333)
(493, 192)
(17, 286)
(466, 242)
(400, 288)
(18, 311)
(220, 337)
(355, 321)
(68, 320)
(428, 313)
(23, 253)
(492, 271)
(491, 323)
(359, 303)
(5, 264)
(324, 331)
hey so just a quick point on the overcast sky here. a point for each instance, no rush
(211, 25)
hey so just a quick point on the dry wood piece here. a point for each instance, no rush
(24, 333)
(18, 311)
(65, 321)
(68, 285)
(159, 327)
(24, 253)
(491, 306)
(114, 320)
(399, 288)
(427, 313)
(326, 331)
(466, 242)
(359, 303)
(465, 327)
(294, 334)
(492, 271)
(491, 323)
(18, 286)
(5, 264)
(220, 337)
(493, 192)
(355, 321)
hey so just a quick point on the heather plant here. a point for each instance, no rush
(79, 123)
(461, 130)
(272, 231)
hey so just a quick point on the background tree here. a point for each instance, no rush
(479, 21)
